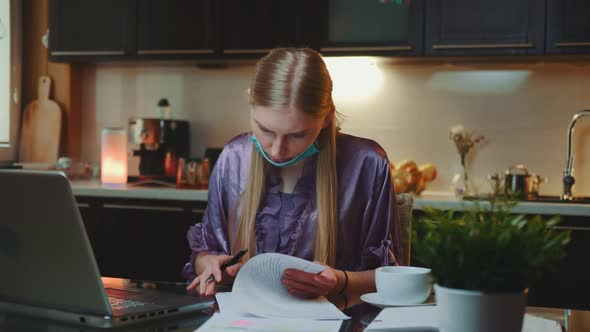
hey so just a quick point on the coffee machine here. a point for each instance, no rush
(158, 143)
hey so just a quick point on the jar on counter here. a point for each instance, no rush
(193, 173)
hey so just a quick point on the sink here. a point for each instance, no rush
(542, 199)
(557, 199)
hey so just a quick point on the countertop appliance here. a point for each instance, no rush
(158, 143)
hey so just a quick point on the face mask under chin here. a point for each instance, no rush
(310, 151)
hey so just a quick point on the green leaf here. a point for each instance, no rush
(487, 247)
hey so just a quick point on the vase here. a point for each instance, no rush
(467, 311)
(461, 184)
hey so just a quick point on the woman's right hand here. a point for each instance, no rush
(209, 264)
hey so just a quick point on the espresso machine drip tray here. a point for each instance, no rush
(152, 181)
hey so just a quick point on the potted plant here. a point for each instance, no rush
(483, 260)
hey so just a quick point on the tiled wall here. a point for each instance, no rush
(523, 109)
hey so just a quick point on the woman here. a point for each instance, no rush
(297, 186)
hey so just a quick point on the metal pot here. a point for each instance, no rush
(522, 184)
(532, 185)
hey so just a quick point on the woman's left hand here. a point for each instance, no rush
(310, 285)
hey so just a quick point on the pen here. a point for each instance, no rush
(227, 264)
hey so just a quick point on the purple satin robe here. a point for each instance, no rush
(368, 220)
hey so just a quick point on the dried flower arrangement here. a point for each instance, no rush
(465, 141)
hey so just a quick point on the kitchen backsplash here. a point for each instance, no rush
(522, 109)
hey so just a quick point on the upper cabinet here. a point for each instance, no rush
(568, 26)
(177, 27)
(483, 27)
(95, 30)
(371, 27)
(91, 28)
(255, 27)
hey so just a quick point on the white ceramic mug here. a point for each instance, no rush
(403, 285)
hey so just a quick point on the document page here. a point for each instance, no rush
(228, 307)
(221, 323)
(405, 318)
(426, 319)
(258, 290)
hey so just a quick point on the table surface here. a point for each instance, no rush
(362, 314)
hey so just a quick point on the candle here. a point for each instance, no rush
(113, 158)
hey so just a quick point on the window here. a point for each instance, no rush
(10, 61)
(4, 71)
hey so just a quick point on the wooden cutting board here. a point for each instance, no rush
(41, 128)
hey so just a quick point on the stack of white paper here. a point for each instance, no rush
(223, 323)
(425, 319)
(260, 279)
(539, 324)
(260, 302)
(404, 318)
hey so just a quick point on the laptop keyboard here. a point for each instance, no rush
(119, 304)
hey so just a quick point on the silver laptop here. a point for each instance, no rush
(47, 266)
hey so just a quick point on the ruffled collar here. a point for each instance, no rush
(303, 205)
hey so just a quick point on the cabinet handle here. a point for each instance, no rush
(83, 205)
(202, 51)
(247, 51)
(366, 48)
(572, 228)
(198, 210)
(144, 207)
(572, 44)
(88, 53)
(472, 46)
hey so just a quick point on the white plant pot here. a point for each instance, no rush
(468, 311)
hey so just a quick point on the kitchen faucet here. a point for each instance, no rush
(568, 179)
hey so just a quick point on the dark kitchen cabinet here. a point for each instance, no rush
(140, 239)
(371, 27)
(91, 28)
(256, 26)
(98, 30)
(568, 27)
(95, 30)
(566, 286)
(177, 27)
(482, 27)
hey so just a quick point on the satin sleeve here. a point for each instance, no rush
(381, 245)
(211, 234)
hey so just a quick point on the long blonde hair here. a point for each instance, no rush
(297, 78)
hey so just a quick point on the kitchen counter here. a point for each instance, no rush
(446, 201)
(96, 189)
(440, 200)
